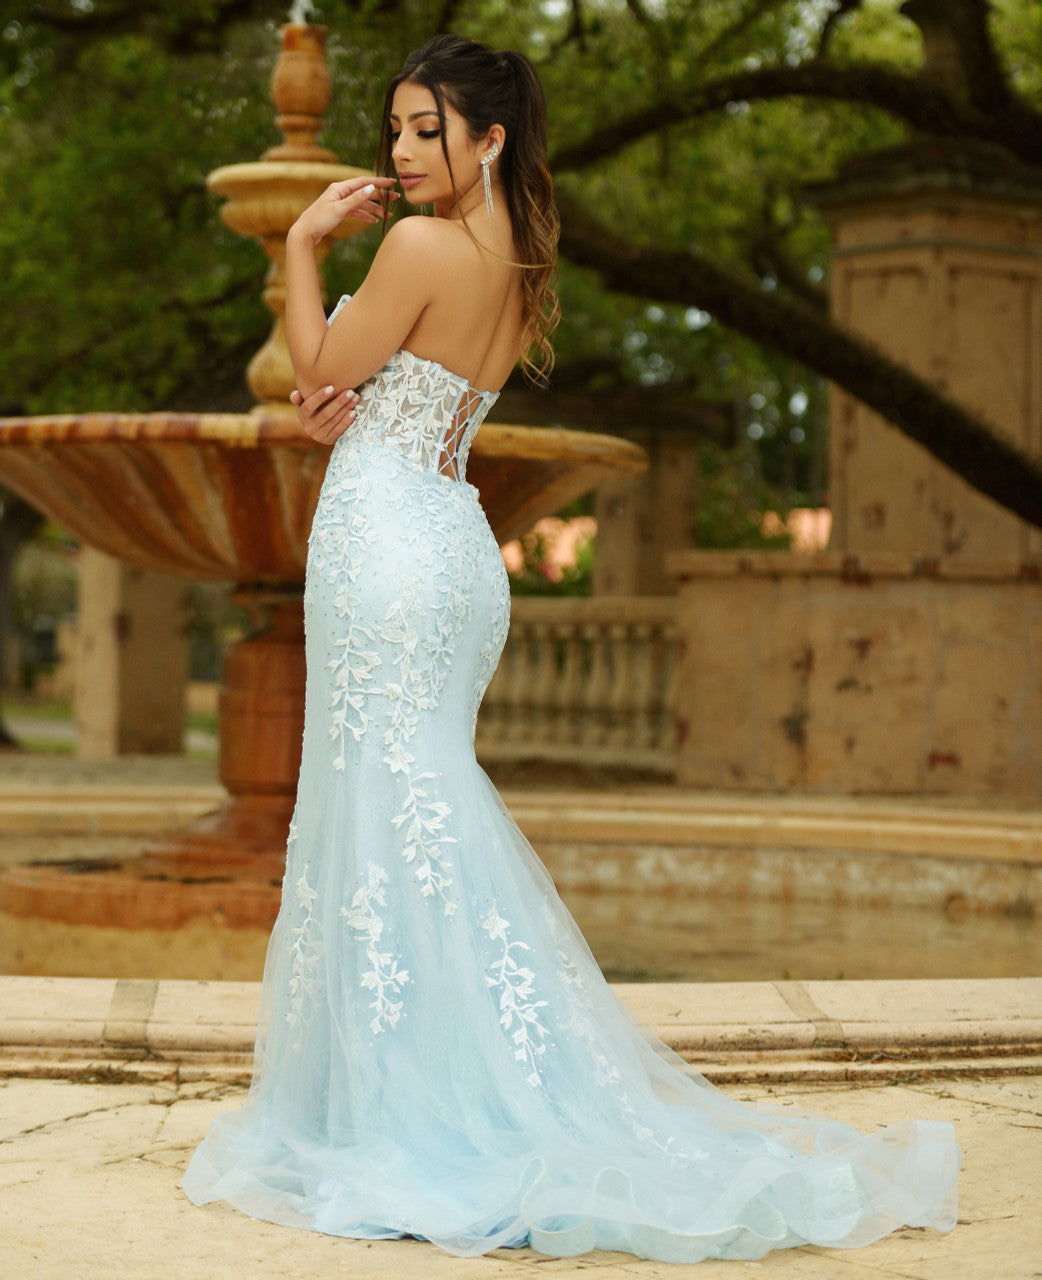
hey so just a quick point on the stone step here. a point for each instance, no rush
(751, 1030)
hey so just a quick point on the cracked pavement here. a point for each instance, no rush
(89, 1176)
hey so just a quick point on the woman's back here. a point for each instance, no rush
(473, 324)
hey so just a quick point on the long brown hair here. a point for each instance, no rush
(488, 88)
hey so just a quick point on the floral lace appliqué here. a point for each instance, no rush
(338, 549)
(423, 410)
(415, 423)
(424, 821)
(519, 1012)
(383, 977)
(304, 953)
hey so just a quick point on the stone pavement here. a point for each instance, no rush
(108, 1086)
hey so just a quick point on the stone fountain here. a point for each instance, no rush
(231, 497)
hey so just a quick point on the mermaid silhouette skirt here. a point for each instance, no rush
(439, 1055)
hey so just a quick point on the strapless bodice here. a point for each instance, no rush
(421, 409)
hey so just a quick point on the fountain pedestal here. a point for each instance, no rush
(132, 622)
(261, 712)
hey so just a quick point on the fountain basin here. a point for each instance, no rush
(231, 496)
(667, 884)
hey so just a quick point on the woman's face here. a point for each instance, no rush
(417, 152)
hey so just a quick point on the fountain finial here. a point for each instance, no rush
(265, 197)
(301, 89)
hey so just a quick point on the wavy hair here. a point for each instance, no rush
(488, 88)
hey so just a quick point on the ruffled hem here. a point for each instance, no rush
(572, 1202)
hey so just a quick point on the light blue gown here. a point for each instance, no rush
(439, 1055)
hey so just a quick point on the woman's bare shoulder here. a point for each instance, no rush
(416, 256)
(434, 244)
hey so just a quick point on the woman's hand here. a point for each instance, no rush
(326, 414)
(353, 198)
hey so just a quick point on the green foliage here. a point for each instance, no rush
(732, 500)
(127, 292)
(43, 595)
(45, 579)
(1017, 32)
(121, 278)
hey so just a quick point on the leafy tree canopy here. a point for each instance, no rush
(683, 137)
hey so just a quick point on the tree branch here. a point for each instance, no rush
(194, 312)
(923, 106)
(835, 16)
(447, 17)
(769, 256)
(640, 14)
(717, 46)
(576, 31)
(975, 451)
(180, 35)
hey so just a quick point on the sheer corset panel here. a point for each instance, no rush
(421, 410)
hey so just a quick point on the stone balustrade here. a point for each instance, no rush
(588, 680)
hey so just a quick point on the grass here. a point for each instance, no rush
(34, 710)
(27, 706)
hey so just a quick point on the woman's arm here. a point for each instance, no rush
(380, 315)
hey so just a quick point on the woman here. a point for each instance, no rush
(439, 1055)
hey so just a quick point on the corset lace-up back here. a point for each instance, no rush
(422, 410)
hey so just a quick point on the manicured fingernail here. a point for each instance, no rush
(369, 189)
(327, 391)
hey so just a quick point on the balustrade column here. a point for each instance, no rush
(586, 681)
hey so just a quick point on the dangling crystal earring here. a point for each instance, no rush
(486, 165)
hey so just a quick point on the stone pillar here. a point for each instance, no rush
(640, 518)
(132, 659)
(937, 259)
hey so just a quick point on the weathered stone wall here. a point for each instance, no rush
(871, 674)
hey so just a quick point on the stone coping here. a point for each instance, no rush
(756, 1030)
(675, 817)
(666, 815)
(39, 810)
(864, 567)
